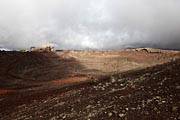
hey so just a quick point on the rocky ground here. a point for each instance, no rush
(137, 94)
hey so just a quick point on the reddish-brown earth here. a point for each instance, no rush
(90, 85)
(4, 91)
(68, 80)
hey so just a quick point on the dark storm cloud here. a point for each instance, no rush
(90, 24)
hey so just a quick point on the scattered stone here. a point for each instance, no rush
(155, 108)
(107, 84)
(64, 117)
(53, 118)
(148, 101)
(178, 87)
(157, 97)
(122, 115)
(143, 103)
(123, 111)
(113, 80)
(89, 106)
(122, 85)
(110, 114)
(174, 109)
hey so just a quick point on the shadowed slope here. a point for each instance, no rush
(26, 68)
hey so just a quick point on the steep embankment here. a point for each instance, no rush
(18, 68)
(15, 65)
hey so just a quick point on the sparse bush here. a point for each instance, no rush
(92, 78)
(22, 51)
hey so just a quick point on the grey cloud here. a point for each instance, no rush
(90, 24)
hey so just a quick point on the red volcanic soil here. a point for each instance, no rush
(4, 91)
(150, 94)
(115, 84)
(68, 80)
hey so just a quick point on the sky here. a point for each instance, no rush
(90, 24)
